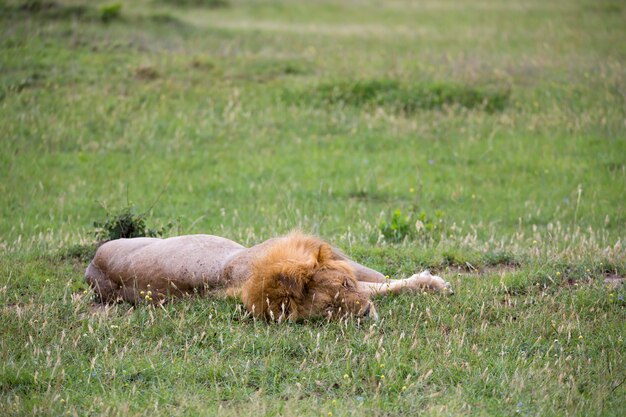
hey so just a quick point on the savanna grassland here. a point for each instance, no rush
(485, 140)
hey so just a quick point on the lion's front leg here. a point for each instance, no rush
(418, 282)
(426, 281)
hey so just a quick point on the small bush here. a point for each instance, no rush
(123, 224)
(410, 226)
(126, 224)
(110, 12)
(397, 228)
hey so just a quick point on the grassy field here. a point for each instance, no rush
(495, 130)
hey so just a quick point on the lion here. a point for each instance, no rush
(294, 277)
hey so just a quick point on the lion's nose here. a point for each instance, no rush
(370, 311)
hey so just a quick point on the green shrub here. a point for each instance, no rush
(397, 228)
(126, 224)
(110, 12)
(412, 225)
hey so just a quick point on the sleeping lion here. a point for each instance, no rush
(294, 277)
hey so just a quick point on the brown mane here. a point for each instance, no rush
(277, 286)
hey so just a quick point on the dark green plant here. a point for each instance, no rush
(126, 224)
(412, 225)
(110, 12)
(398, 227)
(429, 224)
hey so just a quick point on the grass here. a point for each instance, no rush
(406, 99)
(498, 125)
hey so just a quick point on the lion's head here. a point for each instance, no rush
(300, 277)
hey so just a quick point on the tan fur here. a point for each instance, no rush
(293, 277)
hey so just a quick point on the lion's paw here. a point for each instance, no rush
(425, 280)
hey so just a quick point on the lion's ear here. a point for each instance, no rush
(324, 254)
(293, 285)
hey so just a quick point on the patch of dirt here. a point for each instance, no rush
(16, 308)
(103, 311)
(97, 308)
(614, 280)
(146, 73)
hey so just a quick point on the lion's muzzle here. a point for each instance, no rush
(370, 312)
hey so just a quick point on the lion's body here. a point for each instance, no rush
(183, 264)
(295, 276)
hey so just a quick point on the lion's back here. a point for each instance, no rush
(188, 261)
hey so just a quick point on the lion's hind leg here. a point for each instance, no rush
(105, 289)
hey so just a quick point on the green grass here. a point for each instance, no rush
(406, 99)
(499, 125)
